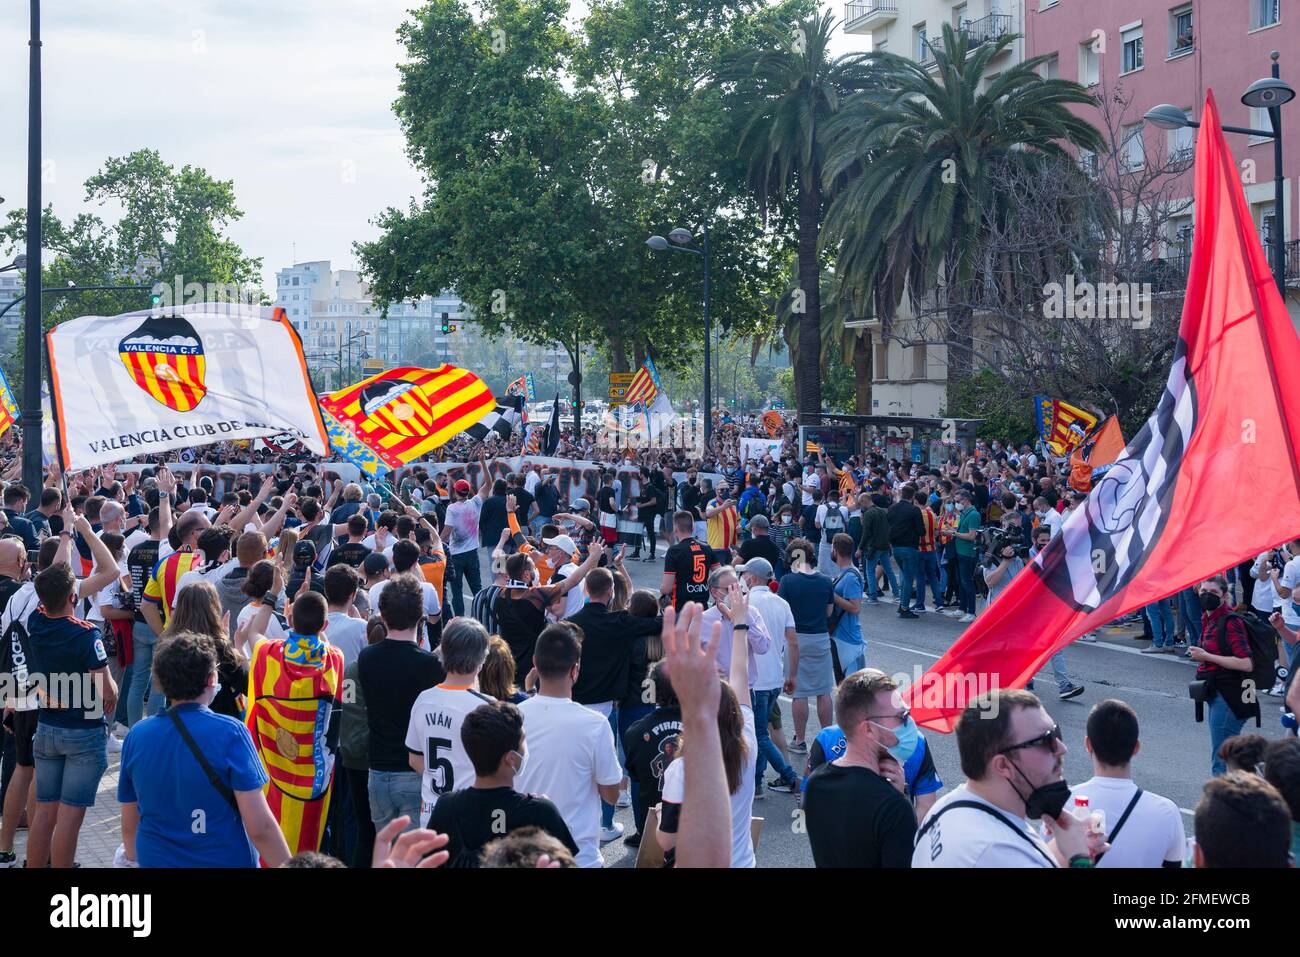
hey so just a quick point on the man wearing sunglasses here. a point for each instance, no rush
(855, 810)
(1012, 755)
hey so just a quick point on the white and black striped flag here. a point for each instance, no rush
(503, 420)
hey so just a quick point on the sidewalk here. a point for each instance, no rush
(101, 832)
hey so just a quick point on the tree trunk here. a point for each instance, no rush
(617, 354)
(862, 373)
(638, 355)
(807, 371)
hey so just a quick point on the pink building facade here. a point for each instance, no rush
(1160, 51)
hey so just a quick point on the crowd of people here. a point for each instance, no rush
(302, 671)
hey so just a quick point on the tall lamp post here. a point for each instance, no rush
(31, 413)
(680, 237)
(1270, 93)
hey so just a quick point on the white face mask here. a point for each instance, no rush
(523, 762)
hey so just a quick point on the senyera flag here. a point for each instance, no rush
(1170, 511)
(1061, 426)
(403, 414)
(178, 377)
(8, 405)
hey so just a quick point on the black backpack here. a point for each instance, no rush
(13, 643)
(1263, 649)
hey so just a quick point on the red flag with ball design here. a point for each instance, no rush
(1170, 512)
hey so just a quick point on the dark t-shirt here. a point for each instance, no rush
(649, 746)
(906, 526)
(761, 546)
(688, 499)
(520, 621)
(392, 674)
(523, 502)
(350, 553)
(491, 520)
(67, 647)
(808, 596)
(140, 561)
(472, 818)
(855, 818)
(608, 641)
(689, 562)
(548, 499)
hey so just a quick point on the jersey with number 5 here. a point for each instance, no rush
(434, 734)
(689, 562)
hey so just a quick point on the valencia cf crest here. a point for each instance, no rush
(398, 404)
(1103, 545)
(164, 356)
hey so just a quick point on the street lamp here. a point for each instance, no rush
(31, 409)
(18, 265)
(681, 237)
(1270, 93)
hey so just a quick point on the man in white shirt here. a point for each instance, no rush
(1047, 515)
(1013, 754)
(571, 754)
(437, 753)
(406, 555)
(344, 631)
(1144, 829)
(771, 678)
(721, 579)
(1284, 584)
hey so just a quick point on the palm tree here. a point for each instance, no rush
(923, 166)
(838, 341)
(783, 94)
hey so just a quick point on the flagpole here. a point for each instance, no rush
(31, 412)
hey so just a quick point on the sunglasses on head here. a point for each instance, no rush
(1046, 740)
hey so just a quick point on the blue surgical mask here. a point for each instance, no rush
(908, 738)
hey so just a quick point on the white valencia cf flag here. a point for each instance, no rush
(178, 377)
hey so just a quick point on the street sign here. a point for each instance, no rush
(621, 378)
(616, 393)
(372, 365)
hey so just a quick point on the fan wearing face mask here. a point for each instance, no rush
(854, 806)
(1012, 755)
(492, 735)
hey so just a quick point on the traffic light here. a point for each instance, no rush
(446, 328)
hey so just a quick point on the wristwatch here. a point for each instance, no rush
(269, 598)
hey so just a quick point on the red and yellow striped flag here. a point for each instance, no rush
(289, 709)
(403, 414)
(641, 388)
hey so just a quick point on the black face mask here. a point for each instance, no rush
(1210, 602)
(1048, 799)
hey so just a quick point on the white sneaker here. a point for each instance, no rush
(114, 744)
(624, 799)
(1090, 637)
(889, 598)
(608, 834)
(965, 619)
(1276, 690)
(952, 612)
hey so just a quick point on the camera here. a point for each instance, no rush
(995, 539)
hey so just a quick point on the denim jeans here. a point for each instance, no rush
(927, 572)
(966, 582)
(1063, 682)
(881, 558)
(69, 764)
(1189, 606)
(906, 558)
(124, 688)
(143, 640)
(1223, 725)
(463, 568)
(392, 794)
(768, 752)
(1161, 617)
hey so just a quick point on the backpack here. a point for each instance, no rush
(15, 652)
(838, 614)
(756, 505)
(1263, 649)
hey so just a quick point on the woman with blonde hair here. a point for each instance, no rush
(197, 609)
(497, 676)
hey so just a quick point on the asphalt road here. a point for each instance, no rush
(1175, 756)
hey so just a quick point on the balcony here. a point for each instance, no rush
(978, 32)
(1170, 273)
(863, 18)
